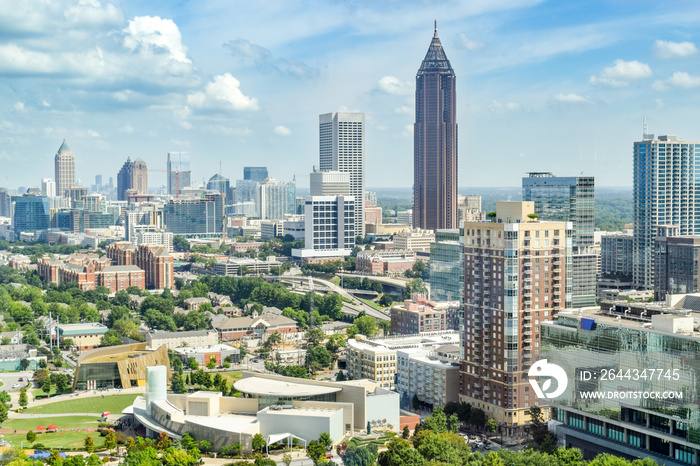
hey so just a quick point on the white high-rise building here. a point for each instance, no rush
(64, 165)
(275, 199)
(48, 187)
(342, 148)
(329, 183)
(330, 223)
(665, 193)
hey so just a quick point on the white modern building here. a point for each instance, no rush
(342, 148)
(329, 183)
(174, 340)
(274, 199)
(48, 187)
(430, 374)
(330, 222)
(415, 240)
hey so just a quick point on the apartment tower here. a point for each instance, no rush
(64, 165)
(435, 142)
(342, 148)
(514, 275)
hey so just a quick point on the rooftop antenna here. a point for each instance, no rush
(644, 125)
(436, 27)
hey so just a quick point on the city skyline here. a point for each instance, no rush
(239, 83)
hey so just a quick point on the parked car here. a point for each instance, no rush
(21, 379)
(17, 385)
(478, 444)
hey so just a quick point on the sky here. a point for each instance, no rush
(541, 85)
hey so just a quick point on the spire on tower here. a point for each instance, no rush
(435, 29)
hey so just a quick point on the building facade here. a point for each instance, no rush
(220, 184)
(676, 265)
(416, 240)
(156, 262)
(174, 340)
(132, 176)
(275, 199)
(178, 172)
(388, 262)
(665, 193)
(64, 168)
(420, 315)
(329, 183)
(515, 271)
(447, 266)
(203, 217)
(342, 148)
(255, 173)
(432, 376)
(616, 256)
(31, 214)
(330, 223)
(435, 142)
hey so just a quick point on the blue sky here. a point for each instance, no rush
(542, 85)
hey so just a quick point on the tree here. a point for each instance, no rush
(406, 433)
(325, 440)
(287, 459)
(415, 403)
(435, 447)
(315, 450)
(110, 441)
(400, 453)
(491, 425)
(477, 418)
(366, 325)
(61, 383)
(177, 384)
(315, 336)
(31, 436)
(23, 401)
(453, 423)
(360, 456)
(335, 342)
(274, 339)
(180, 244)
(192, 364)
(89, 444)
(24, 362)
(258, 442)
(164, 442)
(318, 356)
(386, 300)
(110, 338)
(437, 422)
(46, 386)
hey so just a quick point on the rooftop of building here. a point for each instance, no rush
(158, 334)
(206, 349)
(130, 354)
(284, 388)
(85, 328)
(121, 268)
(406, 341)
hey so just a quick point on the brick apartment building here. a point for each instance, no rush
(153, 259)
(387, 262)
(418, 315)
(89, 271)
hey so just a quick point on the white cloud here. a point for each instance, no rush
(659, 103)
(678, 79)
(93, 133)
(393, 85)
(621, 73)
(464, 42)
(265, 62)
(407, 131)
(496, 106)
(45, 103)
(222, 93)
(282, 130)
(404, 110)
(127, 128)
(152, 34)
(19, 106)
(570, 98)
(669, 49)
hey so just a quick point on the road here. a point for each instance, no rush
(9, 379)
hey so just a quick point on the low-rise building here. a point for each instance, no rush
(419, 315)
(431, 375)
(415, 240)
(384, 262)
(174, 340)
(375, 359)
(85, 336)
(193, 304)
(89, 271)
(256, 327)
(205, 353)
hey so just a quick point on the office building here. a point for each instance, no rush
(48, 187)
(330, 223)
(665, 193)
(275, 199)
(342, 148)
(416, 240)
(178, 172)
(405, 217)
(435, 142)
(121, 366)
(616, 256)
(31, 214)
(246, 190)
(173, 340)
(389, 262)
(76, 194)
(88, 271)
(64, 166)
(375, 359)
(515, 270)
(631, 417)
(203, 217)
(432, 375)
(420, 315)
(569, 199)
(329, 183)
(447, 266)
(5, 203)
(132, 176)
(255, 173)
(220, 184)
(85, 336)
(676, 265)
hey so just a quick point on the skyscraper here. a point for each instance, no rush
(435, 142)
(179, 174)
(133, 175)
(342, 148)
(255, 173)
(64, 165)
(665, 193)
(48, 187)
(274, 199)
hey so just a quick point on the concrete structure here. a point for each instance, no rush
(174, 340)
(616, 416)
(205, 353)
(419, 315)
(295, 228)
(64, 167)
(515, 271)
(132, 176)
(665, 191)
(616, 255)
(330, 223)
(329, 183)
(275, 199)
(676, 265)
(405, 216)
(373, 214)
(432, 376)
(435, 142)
(270, 229)
(219, 183)
(85, 336)
(178, 172)
(254, 327)
(375, 359)
(415, 240)
(122, 366)
(155, 260)
(236, 267)
(202, 217)
(48, 187)
(387, 262)
(447, 266)
(342, 148)
(160, 238)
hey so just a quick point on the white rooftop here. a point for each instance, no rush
(262, 386)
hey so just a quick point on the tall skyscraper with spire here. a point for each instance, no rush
(435, 142)
(64, 165)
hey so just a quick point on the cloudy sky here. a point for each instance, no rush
(542, 85)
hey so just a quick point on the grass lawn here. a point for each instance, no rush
(60, 421)
(68, 439)
(231, 377)
(95, 404)
(39, 393)
(370, 302)
(335, 280)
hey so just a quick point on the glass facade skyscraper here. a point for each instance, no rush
(447, 266)
(179, 173)
(255, 173)
(31, 214)
(666, 190)
(195, 217)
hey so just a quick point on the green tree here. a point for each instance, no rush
(315, 450)
(435, 447)
(317, 357)
(110, 441)
(287, 459)
(46, 386)
(437, 422)
(23, 401)
(366, 325)
(258, 442)
(360, 456)
(89, 444)
(386, 300)
(415, 403)
(180, 244)
(177, 384)
(31, 436)
(491, 425)
(110, 338)
(453, 423)
(315, 336)
(325, 440)
(406, 433)
(400, 453)
(192, 364)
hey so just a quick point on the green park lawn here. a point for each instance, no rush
(68, 439)
(40, 393)
(65, 422)
(96, 404)
(232, 376)
(370, 302)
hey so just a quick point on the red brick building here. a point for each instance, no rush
(239, 327)
(418, 315)
(387, 262)
(89, 271)
(153, 259)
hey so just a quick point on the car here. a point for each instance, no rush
(478, 444)
(21, 379)
(17, 385)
